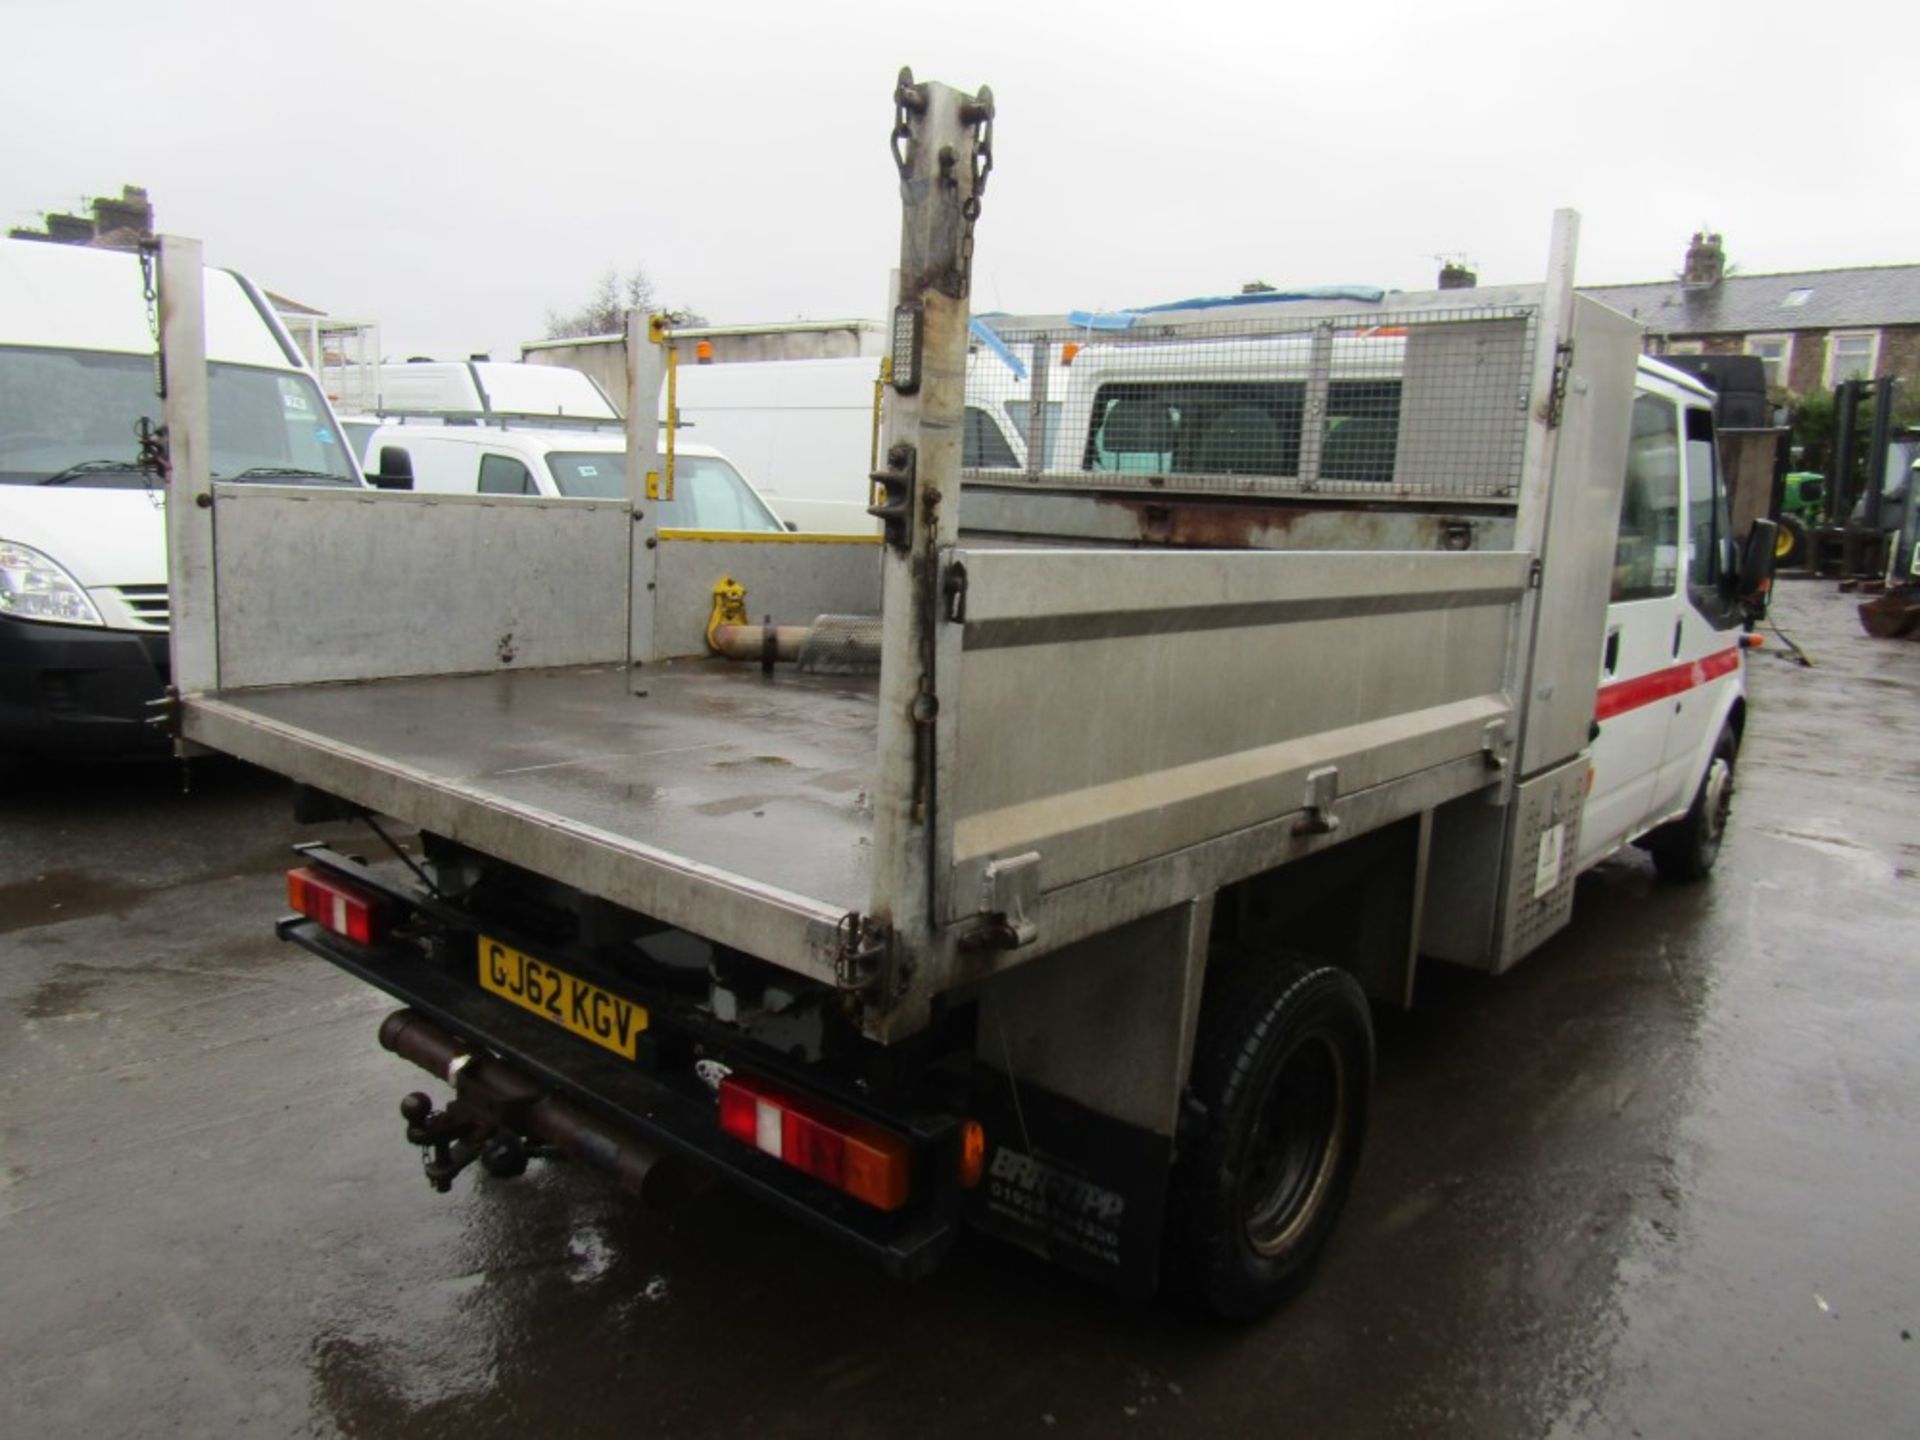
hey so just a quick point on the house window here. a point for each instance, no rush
(1685, 347)
(1852, 355)
(1776, 354)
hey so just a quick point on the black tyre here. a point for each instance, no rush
(1790, 544)
(1685, 849)
(1284, 1068)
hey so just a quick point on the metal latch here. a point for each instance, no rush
(1495, 746)
(1323, 788)
(1012, 890)
(895, 509)
(954, 587)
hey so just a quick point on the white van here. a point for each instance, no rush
(83, 554)
(489, 387)
(581, 464)
(804, 430)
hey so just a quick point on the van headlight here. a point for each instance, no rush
(34, 587)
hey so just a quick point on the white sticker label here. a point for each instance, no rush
(589, 469)
(1546, 870)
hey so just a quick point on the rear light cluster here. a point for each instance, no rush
(852, 1156)
(342, 908)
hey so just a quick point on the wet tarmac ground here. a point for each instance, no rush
(1661, 1180)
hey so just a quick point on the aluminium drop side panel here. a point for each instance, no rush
(319, 584)
(1113, 708)
(1577, 547)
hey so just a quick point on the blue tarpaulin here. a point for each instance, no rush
(984, 333)
(1124, 319)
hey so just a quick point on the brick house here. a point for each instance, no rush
(1812, 328)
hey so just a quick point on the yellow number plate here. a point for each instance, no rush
(568, 1001)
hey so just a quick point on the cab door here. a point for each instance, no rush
(1629, 749)
(1706, 625)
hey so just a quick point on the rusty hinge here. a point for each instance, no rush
(1562, 368)
(860, 946)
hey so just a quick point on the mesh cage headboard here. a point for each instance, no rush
(1426, 403)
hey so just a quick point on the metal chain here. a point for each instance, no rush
(154, 455)
(979, 113)
(150, 292)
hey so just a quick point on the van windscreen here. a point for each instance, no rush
(708, 493)
(71, 416)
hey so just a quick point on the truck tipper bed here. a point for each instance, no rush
(1049, 897)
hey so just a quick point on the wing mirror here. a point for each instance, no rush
(396, 469)
(1756, 567)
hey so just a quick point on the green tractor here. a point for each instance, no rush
(1800, 507)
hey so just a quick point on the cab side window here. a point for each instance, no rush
(503, 475)
(1646, 553)
(1708, 528)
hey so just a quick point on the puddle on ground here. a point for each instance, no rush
(62, 999)
(61, 895)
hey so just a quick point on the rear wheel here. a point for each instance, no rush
(1790, 543)
(1685, 849)
(1284, 1069)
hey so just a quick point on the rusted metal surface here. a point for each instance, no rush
(498, 1110)
(1208, 526)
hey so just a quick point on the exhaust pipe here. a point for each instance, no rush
(496, 1097)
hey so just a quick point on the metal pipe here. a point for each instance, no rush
(749, 642)
(506, 1099)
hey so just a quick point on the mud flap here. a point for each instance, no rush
(1075, 1187)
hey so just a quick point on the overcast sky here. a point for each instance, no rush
(455, 170)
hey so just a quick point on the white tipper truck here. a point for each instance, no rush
(1051, 901)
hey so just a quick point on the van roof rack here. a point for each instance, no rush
(503, 419)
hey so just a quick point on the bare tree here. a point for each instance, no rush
(605, 310)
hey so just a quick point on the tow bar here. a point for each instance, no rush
(503, 1120)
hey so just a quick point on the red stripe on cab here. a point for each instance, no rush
(1624, 695)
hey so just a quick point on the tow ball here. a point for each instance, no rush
(450, 1141)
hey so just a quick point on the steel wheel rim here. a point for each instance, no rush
(1782, 543)
(1719, 799)
(1295, 1146)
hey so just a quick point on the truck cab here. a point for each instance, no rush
(1671, 692)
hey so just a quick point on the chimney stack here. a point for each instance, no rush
(1454, 275)
(1706, 261)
